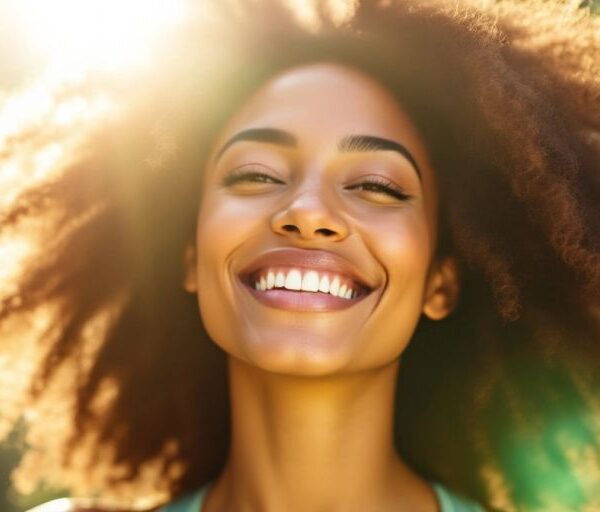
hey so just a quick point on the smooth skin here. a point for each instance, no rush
(312, 394)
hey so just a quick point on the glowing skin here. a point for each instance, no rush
(312, 392)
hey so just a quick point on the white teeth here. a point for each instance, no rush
(310, 281)
(279, 280)
(334, 286)
(270, 280)
(324, 285)
(293, 281)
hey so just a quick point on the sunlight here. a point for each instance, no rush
(341, 10)
(96, 34)
(59, 505)
(14, 251)
(59, 125)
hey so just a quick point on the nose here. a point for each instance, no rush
(308, 217)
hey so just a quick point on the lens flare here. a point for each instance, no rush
(94, 34)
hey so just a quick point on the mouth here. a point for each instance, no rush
(301, 289)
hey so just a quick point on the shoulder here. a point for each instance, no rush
(79, 505)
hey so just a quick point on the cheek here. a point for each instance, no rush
(401, 242)
(223, 227)
(402, 245)
(226, 224)
(405, 252)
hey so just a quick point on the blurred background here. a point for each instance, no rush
(41, 39)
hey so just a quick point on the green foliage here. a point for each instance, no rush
(594, 5)
(9, 456)
(10, 500)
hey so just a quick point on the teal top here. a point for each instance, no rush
(448, 501)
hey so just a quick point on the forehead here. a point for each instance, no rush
(321, 102)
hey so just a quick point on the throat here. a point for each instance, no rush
(310, 443)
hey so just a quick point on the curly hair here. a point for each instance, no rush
(104, 355)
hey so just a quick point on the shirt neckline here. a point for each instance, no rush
(447, 501)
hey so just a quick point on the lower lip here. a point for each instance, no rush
(302, 301)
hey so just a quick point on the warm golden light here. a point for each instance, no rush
(95, 34)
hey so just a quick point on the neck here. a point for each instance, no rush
(315, 443)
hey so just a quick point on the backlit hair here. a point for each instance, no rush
(104, 355)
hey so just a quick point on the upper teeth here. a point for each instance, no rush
(310, 281)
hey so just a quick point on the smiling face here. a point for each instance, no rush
(319, 177)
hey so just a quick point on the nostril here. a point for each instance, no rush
(326, 231)
(292, 228)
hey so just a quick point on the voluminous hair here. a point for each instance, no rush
(104, 355)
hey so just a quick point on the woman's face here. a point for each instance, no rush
(295, 186)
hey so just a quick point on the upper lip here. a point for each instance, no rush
(313, 259)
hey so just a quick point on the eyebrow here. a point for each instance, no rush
(348, 144)
(365, 143)
(268, 135)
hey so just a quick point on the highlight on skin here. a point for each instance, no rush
(100, 344)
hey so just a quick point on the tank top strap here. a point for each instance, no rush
(191, 502)
(450, 502)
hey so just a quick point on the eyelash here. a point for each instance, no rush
(382, 185)
(377, 185)
(236, 176)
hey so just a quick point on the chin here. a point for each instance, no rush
(299, 352)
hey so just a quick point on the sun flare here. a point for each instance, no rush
(95, 34)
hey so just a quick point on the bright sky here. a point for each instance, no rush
(74, 35)
(78, 35)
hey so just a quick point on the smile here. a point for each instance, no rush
(303, 289)
(305, 280)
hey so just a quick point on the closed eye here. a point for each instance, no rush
(379, 185)
(382, 186)
(253, 176)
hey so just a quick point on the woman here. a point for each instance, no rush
(410, 183)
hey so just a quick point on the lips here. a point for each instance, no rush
(305, 259)
(296, 287)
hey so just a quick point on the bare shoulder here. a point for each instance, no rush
(79, 505)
